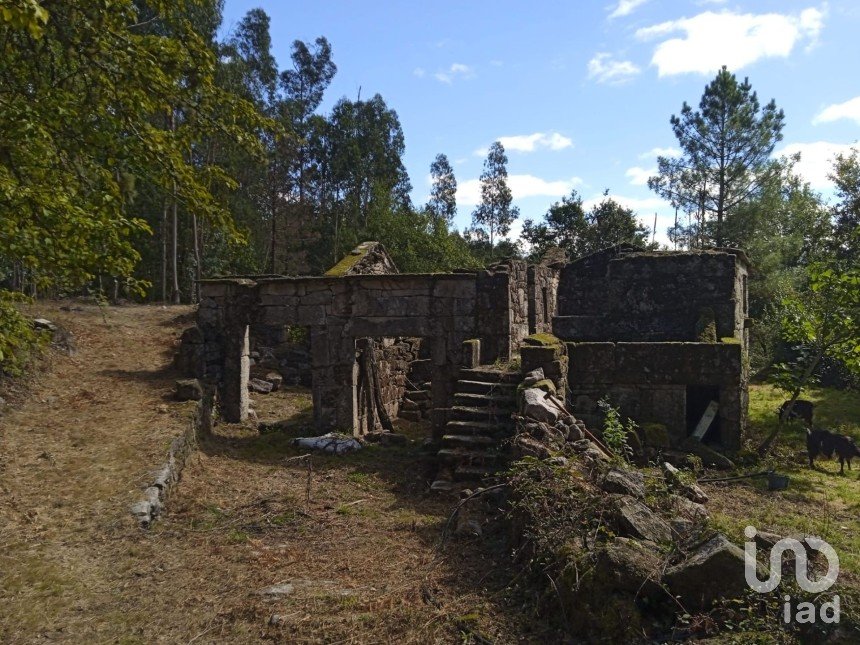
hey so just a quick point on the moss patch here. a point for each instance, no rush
(541, 340)
(350, 260)
(730, 340)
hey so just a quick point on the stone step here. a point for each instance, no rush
(500, 402)
(472, 473)
(482, 387)
(490, 375)
(486, 428)
(468, 413)
(417, 395)
(468, 441)
(464, 457)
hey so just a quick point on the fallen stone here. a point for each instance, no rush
(709, 456)
(630, 566)
(536, 406)
(581, 445)
(283, 589)
(468, 528)
(624, 482)
(188, 389)
(275, 379)
(524, 445)
(260, 386)
(674, 480)
(688, 509)
(714, 570)
(43, 324)
(533, 377)
(331, 442)
(636, 520)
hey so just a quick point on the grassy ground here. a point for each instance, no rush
(820, 502)
(356, 537)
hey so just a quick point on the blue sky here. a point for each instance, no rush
(580, 93)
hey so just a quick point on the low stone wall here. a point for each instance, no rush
(649, 382)
(169, 473)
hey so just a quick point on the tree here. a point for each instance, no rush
(443, 194)
(295, 168)
(567, 226)
(726, 147)
(846, 214)
(495, 214)
(823, 321)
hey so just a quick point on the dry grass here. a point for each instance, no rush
(360, 550)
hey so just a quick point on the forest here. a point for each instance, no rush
(142, 151)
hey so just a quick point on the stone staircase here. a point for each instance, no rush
(478, 423)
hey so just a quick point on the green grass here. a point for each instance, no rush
(821, 501)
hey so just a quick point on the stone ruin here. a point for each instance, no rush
(663, 334)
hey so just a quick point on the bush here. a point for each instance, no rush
(18, 339)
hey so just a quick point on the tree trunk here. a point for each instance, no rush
(767, 444)
(164, 251)
(195, 298)
(174, 252)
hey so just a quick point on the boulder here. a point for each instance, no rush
(634, 519)
(655, 435)
(691, 491)
(624, 482)
(275, 379)
(536, 406)
(630, 566)
(714, 570)
(688, 509)
(188, 389)
(535, 376)
(260, 386)
(43, 324)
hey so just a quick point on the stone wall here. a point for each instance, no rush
(502, 310)
(650, 382)
(624, 295)
(337, 311)
(542, 297)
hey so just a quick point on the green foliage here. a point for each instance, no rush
(18, 339)
(443, 194)
(726, 147)
(494, 214)
(846, 213)
(85, 110)
(615, 432)
(567, 226)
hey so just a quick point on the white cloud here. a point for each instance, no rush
(816, 160)
(531, 142)
(419, 72)
(625, 7)
(849, 109)
(522, 186)
(457, 70)
(711, 40)
(639, 176)
(638, 205)
(605, 69)
(653, 153)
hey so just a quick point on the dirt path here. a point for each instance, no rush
(352, 541)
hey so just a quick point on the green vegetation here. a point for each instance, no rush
(616, 433)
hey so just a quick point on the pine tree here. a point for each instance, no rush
(726, 147)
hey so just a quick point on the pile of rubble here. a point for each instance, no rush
(647, 551)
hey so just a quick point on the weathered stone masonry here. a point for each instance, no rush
(337, 311)
(662, 334)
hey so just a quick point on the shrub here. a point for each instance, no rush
(18, 339)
